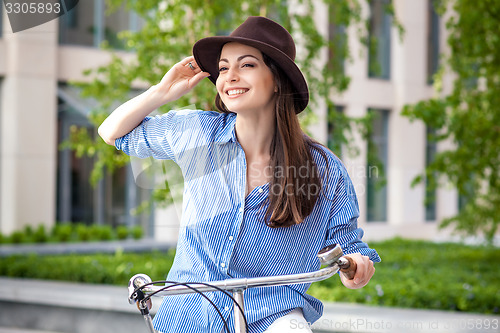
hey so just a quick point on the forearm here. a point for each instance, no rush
(130, 114)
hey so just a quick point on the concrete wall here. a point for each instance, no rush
(28, 126)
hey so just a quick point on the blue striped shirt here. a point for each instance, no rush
(223, 234)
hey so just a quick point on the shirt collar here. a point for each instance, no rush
(227, 132)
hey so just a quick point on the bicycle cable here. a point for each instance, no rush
(188, 284)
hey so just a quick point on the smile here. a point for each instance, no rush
(234, 92)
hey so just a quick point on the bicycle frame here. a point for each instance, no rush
(140, 285)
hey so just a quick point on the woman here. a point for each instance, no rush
(261, 197)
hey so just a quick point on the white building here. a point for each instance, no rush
(41, 184)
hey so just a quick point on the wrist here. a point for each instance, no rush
(156, 96)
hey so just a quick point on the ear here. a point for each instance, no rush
(275, 89)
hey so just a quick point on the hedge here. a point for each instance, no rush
(414, 274)
(71, 232)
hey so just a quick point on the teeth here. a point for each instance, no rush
(236, 92)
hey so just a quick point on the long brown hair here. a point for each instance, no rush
(296, 183)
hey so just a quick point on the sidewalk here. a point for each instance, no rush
(95, 305)
(142, 245)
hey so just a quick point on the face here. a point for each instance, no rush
(245, 83)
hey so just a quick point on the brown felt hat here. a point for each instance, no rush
(265, 35)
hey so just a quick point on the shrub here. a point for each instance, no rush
(82, 232)
(411, 274)
(100, 232)
(427, 275)
(40, 236)
(137, 232)
(62, 232)
(97, 268)
(17, 237)
(122, 232)
(28, 231)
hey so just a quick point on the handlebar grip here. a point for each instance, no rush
(348, 267)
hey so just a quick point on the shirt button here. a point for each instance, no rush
(230, 237)
(226, 308)
(261, 190)
(241, 210)
(223, 265)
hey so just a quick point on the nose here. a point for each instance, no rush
(232, 74)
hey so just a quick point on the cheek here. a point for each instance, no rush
(218, 85)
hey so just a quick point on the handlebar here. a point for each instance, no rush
(141, 286)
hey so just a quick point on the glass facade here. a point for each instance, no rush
(88, 24)
(376, 169)
(432, 41)
(379, 33)
(112, 198)
(337, 40)
(430, 194)
(1, 19)
(334, 142)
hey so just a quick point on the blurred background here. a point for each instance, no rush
(404, 92)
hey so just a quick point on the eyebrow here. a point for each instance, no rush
(240, 58)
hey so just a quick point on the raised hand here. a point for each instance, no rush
(180, 79)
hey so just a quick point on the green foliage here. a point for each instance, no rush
(98, 268)
(122, 232)
(72, 233)
(169, 32)
(62, 232)
(100, 232)
(468, 116)
(40, 234)
(427, 275)
(17, 237)
(137, 232)
(82, 232)
(414, 274)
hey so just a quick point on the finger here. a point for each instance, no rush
(366, 273)
(360, 273)
(187, 60)
(197, 78)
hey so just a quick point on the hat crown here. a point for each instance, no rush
(266, 31)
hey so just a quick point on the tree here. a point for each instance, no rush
(172, 27)
(469, 116)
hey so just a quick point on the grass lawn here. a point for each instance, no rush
(413, 274)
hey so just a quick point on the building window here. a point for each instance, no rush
(379, 33)
(432, 41)
(334, 140)
(88, 25)
(337, 41)
(1, 20)
(109, 201)
(430, 193)
(377, 161)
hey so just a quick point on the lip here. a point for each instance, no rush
(245, 90)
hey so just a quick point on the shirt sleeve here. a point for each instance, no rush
(151, 138)
(343, 220)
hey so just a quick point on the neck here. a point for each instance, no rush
(255, 134)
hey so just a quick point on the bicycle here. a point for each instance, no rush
(141, 288)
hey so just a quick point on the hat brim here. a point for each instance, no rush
(206, 52)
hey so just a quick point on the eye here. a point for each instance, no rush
(221, 69)
(248, 65)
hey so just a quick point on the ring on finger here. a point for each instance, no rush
(191, 66)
